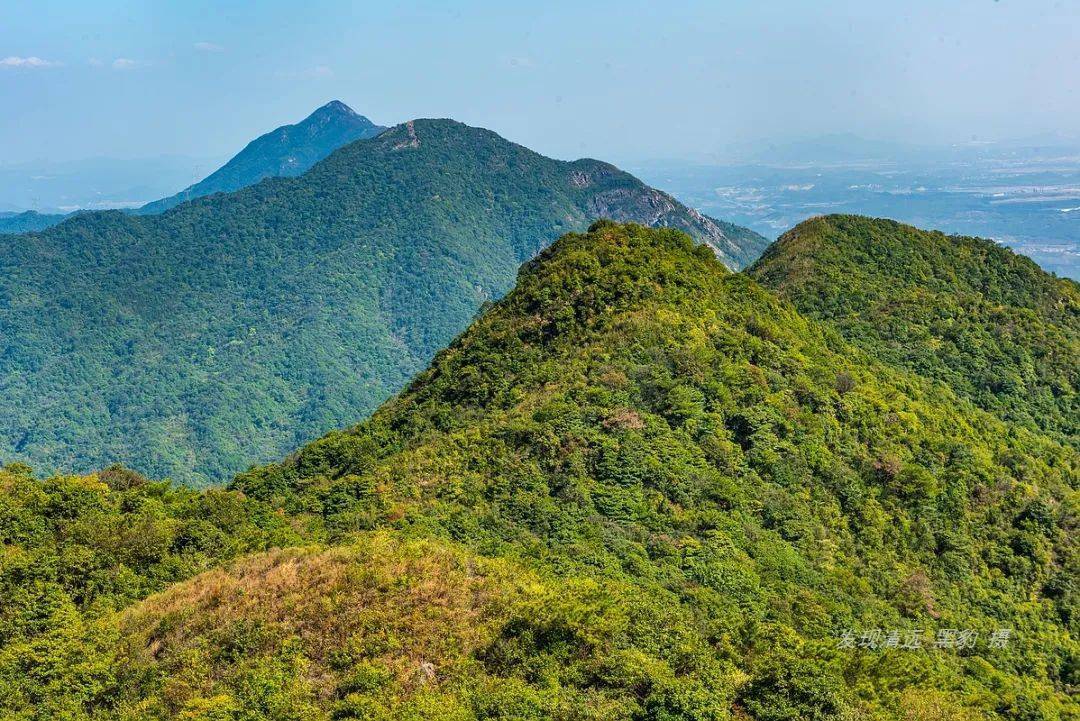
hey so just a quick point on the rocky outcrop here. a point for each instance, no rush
(410, 141)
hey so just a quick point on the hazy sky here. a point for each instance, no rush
(617, 80)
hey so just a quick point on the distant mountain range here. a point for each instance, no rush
(239, 325)
(56, 188)
(28, 221)
(285, 152)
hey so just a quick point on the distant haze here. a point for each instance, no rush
(617, 80)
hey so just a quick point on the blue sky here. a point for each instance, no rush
(618, 80)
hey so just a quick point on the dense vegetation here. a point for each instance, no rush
(233, 328)
(986, 321)
(639, 486)
(287, 151)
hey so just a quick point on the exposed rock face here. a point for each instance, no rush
(655, 208)
(593, 189)
(410, 141)
(579, 179)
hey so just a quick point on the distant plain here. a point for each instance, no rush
(1025, 198)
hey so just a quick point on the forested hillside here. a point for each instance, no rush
(639, 486)
(988, 322)
(236, 327)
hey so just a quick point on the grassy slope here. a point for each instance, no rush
(236, 327)
(986, 321)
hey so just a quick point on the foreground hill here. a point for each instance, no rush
(235, 327)
(638, 487)
(285, 152)
(988, 322)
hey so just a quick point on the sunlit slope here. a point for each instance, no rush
(633, 412)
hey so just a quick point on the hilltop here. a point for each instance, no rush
(28, 221)
(990, 323)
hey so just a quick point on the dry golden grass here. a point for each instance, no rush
(419, 609)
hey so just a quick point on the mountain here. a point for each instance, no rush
(637, 487)
(285, 152)
(990, 323)
(236, 327)
(28, 221)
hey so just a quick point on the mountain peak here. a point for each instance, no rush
(607, 191)
(336, 107)
(286, 151)
(909, 256)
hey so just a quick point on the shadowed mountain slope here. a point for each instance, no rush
(235, 327)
